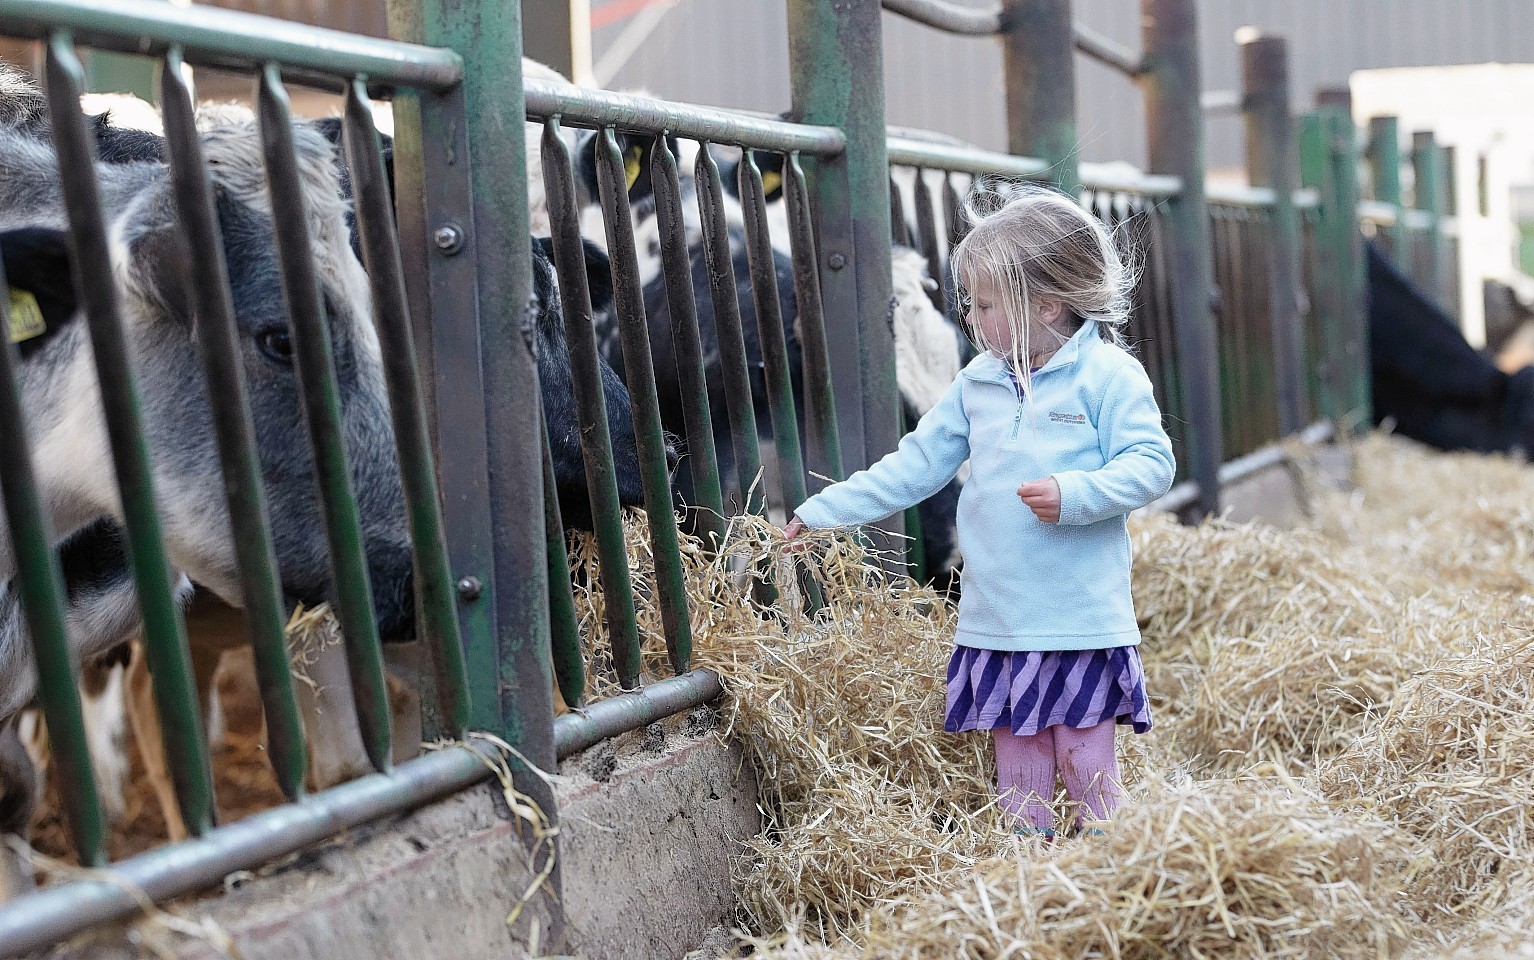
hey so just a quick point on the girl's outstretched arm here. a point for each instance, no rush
(1139, 464)
(927, 458)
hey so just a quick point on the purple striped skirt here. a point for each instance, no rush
(1028, 691)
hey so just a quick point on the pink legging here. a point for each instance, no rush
(1026, 766)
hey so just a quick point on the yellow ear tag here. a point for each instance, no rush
(24, 320)
(631, 166)
(771, 181)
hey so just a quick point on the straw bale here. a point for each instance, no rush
(1222, 868)
(1264, 645)
(1450, 764)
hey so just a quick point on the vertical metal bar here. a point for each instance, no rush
(900, 230)
(926, 238)
(218, 348)
(434, 207)
(1428, 196)
(164, 632)
(1350, 254)
(314, 367)
(1271, 161)
(591, 407)
(639, 370)
(836, 70)
(1385, 170)
(436, 607)
(676, 260)
(511, 676)
(822, 440)
(769, 324)
(1175, 121)
(564, 626)
(42, 598)
(1038, 49)
(727, 327)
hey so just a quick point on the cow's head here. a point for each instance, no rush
(150, 257)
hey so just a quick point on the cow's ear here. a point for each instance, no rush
(38, 271)
(771, 165)
(161, 270)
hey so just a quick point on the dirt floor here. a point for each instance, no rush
(243, 781)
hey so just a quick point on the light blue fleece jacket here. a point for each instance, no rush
(1029, 585)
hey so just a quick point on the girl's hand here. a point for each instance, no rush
(793, 529)
(1042, 497)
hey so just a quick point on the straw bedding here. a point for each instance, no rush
(1337, 768)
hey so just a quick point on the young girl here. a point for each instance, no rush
(1064, 439)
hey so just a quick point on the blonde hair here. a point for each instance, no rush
(1033, 243)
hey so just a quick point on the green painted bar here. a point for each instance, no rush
(164, 633)
(1354, 331)
(1317, 171)
(1038, 48)
(702, 458)
(591, 407)
(732, 343)
(564, 625)
(42, 599)
(822, 437)
(639, 370)
(219, 350)
(436, 609)
(510, 671)
(314, 366)
(1428, 196)
(836, 71)
(1385, 169)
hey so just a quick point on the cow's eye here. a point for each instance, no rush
(277, 344)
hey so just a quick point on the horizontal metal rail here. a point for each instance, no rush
(968, 21)
(1186, 494)
(938, 156)
(579, 729)
(1107, 52)
(234, 41)
(1095, 177)
(587, 107)
(50, 916)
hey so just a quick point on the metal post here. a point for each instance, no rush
(837, 78)
(1272, 162)
(1385, 170)
(511, 675)
(1175, 122)
(1427, 196)
(1038, 49)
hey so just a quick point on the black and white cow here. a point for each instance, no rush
(1426, 378)
(927, 343)
(62, 400)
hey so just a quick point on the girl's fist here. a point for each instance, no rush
(1043, 498)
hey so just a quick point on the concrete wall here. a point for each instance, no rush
(649, 827)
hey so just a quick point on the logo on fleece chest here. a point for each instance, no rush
(1071, 419)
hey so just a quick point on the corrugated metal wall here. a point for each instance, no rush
(734, 53)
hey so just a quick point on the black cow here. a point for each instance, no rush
(1437, 388)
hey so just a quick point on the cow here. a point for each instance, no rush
(927, 344)
(1428, 381)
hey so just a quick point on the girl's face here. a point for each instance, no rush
(988, 316)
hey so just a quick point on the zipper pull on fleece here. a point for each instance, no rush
(1017, 418)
